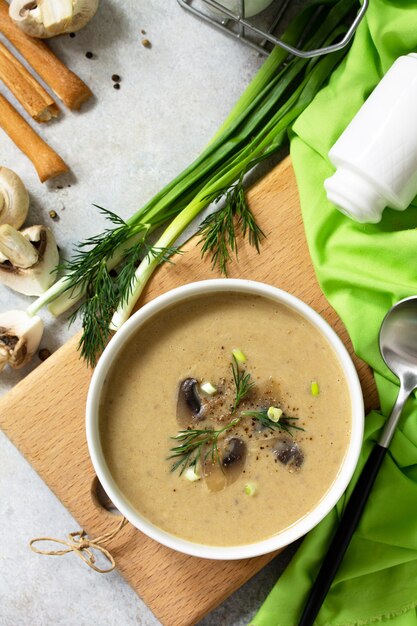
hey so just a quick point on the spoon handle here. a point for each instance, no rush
(344, 532)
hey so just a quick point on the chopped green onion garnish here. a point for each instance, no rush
(274, 413)
(208, 388)
(191, 474)
(315, 388)
(239, 356)
(250, 489)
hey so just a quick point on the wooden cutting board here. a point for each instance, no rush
(44, 415)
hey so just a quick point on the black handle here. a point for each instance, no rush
(344, 532)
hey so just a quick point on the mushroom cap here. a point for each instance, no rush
(20, 336)
(14, 198)
(47, 18)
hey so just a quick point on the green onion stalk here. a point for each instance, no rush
(255, 129)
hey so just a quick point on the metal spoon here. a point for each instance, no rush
(398, 346)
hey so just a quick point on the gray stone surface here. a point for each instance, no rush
(122, 147)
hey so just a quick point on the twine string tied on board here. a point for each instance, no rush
(83, 547)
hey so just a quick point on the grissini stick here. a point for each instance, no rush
(31, 95)
(65, 84)
(46, 161)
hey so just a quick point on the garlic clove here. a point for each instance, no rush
(46, 18)
(14, 199)
(36, 279)
(17, 248)
(20, 336)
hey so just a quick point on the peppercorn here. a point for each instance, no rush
(146, 43)
(89, 55)
(44, 354)
(116, 78)
(53, 215)
(72, 35)
(116, 86)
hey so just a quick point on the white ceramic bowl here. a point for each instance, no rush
(296, 530)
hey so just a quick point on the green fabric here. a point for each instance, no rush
(363, 270)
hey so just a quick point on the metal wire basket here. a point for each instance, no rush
(259, 31)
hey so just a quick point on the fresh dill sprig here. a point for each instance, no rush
(192, 442)
(189, 452)
(89, 271)
(96, 312)
(83, 268)
(243, 383)
(133, 257)
(219, 229)
(284, 423)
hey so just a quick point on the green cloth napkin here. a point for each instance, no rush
(363, 270)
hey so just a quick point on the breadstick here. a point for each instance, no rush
(65, 84)
(31, 95)
(46, 161)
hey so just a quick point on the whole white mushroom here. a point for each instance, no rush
(47, 18)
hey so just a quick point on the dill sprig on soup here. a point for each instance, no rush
(198, 448)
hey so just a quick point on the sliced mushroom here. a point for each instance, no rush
(20, 336)
(288, 452)
(16, 248)
(234, 454)
(14, 199)
(219, 475)
(47, 18)
(189, 405)
(28, 259)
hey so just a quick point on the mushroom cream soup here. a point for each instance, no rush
(249, 401)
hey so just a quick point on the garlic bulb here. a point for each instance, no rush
(20, 336)
(47, 18)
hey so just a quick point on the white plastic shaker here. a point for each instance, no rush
(376, 156)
